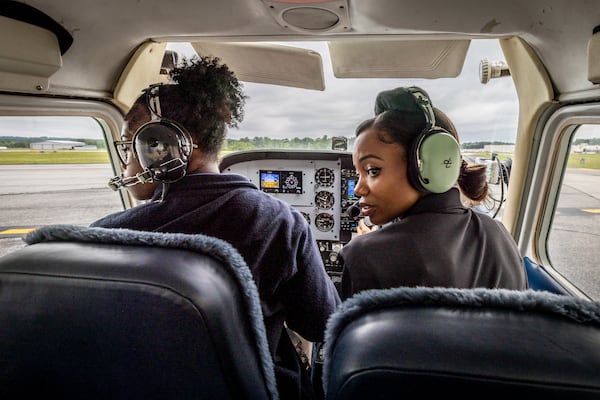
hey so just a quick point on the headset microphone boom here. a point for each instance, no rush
(354, 211)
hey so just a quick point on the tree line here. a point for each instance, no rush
(261, 142)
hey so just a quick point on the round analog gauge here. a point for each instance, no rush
(324, 199)
(324, 222)
(324, 176)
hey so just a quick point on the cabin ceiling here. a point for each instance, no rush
(107, 34)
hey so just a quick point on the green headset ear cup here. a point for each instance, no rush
(435, 161)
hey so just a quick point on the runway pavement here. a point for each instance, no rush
(37, 195)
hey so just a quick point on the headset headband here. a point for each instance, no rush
(153, 101)
(424, 103)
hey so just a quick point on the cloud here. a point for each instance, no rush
(65, 127)
(480, 112)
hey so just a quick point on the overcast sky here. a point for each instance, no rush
(481, 112)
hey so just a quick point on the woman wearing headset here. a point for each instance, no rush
(169, 155)
(409, 165)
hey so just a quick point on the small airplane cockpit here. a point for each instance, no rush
(319, 184)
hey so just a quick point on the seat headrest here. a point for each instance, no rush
(114, 312)
(467, 342)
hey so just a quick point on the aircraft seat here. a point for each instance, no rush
(463, 343)
(539, 279)
(95, 313)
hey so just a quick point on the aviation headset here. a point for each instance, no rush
(163, 147)
(434, 158)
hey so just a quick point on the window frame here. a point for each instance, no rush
(545, 178)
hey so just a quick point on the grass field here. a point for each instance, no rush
(584, 161)
(101, 157)
(579, 160)
(53, 157)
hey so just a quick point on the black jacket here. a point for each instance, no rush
(437, 243)
(273, 238)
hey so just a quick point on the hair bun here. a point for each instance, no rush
(399, 99)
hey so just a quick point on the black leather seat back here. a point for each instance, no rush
(463, 343)
(96, 318)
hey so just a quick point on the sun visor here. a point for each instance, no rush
(269, 63)
(398, 59)
(29, 55)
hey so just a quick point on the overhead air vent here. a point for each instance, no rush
(310, 16)
(492, 69)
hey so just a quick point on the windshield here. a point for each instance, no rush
(293, 118)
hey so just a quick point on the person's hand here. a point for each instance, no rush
(362, 228)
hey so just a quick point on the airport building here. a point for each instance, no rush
(60, 145)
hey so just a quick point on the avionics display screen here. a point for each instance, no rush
(351, 183)
(281, 181)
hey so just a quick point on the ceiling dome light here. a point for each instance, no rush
(310, 16)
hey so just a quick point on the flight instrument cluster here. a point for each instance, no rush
(319, 184)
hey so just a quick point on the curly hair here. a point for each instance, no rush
(204, 97)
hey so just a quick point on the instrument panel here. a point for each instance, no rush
(319, 184)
